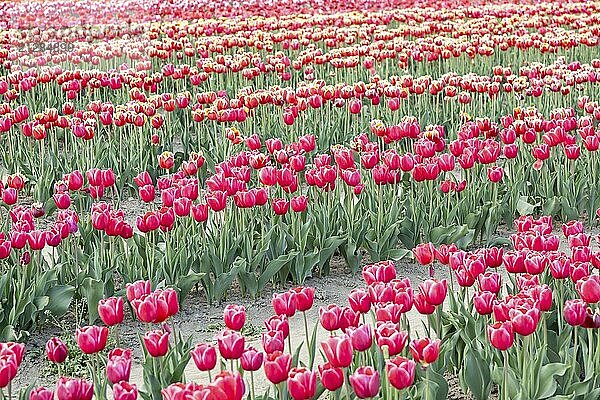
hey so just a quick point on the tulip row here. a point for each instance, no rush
(521, 320)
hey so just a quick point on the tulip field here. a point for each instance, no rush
(165, 158)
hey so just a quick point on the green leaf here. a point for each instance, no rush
(476, 373)
(186, 283)
(273, 267)
(93, 291)
(523, 207)
(59, 299)
(546, 383)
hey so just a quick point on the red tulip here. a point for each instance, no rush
(338, 350)
(490, 282)
(362, 337)
(302, 383)
(400, 372)
(574, 312)
(383, 271)
(305, 297)
(589, 288)
(157, 342)
(524, 321)
(501, 335)
(74, 389)
(56, 350)
(330, 316)
(365, 382)
(421, 304)
(91, 339)
(434, 291)
(230, 384)
(359, 300)
(118, 366)
(284, 303)
(277, 366)
(41, 393)
(151, 308)
(234, 317)
(495, 174)
(299, 203)
(166, 160)
(8, 368)
(137, 290)
(204, 356)
(231, 344)
(278, 323)
(425, 350)
(387, 334)
(125, 391)
(424, 253)
(251, 359)
(111, 311)
(273, 341)
(62, 200)
(331, 377)
(280, 206)
(484, 302)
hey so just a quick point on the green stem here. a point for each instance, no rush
(505, 384)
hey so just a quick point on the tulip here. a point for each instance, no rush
(74, 389)
(434, 291)
(400, 372)
(137, 290)
(359, 300)
(278, 323)
(41, 393)
(251, 359)
(501, 335)
(421, 304)
(111, 311)
(302, 383)
(424, 253)
(365, 382)
(384, 271)
(277, 366)
(125, 391)
(387, 334)
(299, 203)
(284, 303)
(118, 366)
(157, 342)
(425, 350)
(273, 341)
(490, 282)
(231, 344)
(8, 368)
(330, 316)
(166, 160)
(484, 302)
(338, 350)
(280, 206)
(574, 312)
(305, 297)
(231, 386)
(204, 356)
(495, 174)
(361, 337)
(524, 321)
(589, 288)
(234, 317)
(151, 308)
(56, 350)
(331, 377)
(91, 339)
